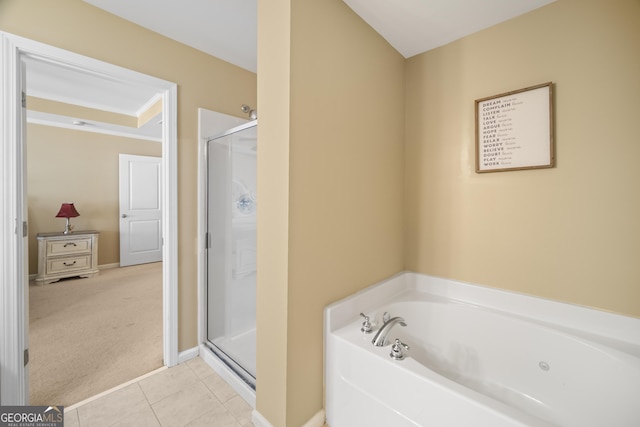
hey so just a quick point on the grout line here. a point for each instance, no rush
(116, 388)
(153, 411)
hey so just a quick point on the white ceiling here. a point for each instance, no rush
(227, 29)
(53, 81)
(74, 86)
(70, 85)
(416, 26)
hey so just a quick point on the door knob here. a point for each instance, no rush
(124, 215)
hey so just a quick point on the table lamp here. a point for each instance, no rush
(67, 210)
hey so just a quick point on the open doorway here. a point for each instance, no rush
(14, 335)
(88, 332)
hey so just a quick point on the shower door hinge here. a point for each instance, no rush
(26, 356)
(207, 240)
(24, 100)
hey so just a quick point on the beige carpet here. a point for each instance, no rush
(89, 335)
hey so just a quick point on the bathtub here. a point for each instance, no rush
(479, 357)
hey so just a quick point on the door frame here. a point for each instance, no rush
(14, 388)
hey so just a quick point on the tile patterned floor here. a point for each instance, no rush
(188, 395)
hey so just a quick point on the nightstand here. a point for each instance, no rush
(67, 255)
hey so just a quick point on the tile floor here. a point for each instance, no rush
(190, 394)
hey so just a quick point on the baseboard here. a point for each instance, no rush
(316, 421)
(108, 266)
(240, 387)
(258, 420)
(189, 354)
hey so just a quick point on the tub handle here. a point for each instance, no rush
(366, 325)
(397, 350)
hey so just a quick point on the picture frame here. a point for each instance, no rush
(514, 130)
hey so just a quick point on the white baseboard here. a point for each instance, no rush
(258, 420)
(189, 354)
(316, 421)
(108, 266)
(240, 387)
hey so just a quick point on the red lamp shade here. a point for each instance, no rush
(67, 210)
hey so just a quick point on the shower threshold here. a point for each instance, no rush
(238, 354)
(238, 381)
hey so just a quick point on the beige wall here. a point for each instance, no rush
(274, 33)
(80, 167)
(570, 233)
(331, 101)
(203, 81)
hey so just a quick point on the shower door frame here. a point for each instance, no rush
(240, 373)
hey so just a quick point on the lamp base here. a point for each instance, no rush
(68, 228)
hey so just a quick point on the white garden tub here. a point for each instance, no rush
(479, 357)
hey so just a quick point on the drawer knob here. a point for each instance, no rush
(69, 265)
(69, 244)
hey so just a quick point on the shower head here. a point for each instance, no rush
(253, 114)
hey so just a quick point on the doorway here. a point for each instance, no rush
(92, 334)
(14, 328)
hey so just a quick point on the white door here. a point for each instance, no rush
(140, 210)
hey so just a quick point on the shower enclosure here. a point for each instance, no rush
(231, 249)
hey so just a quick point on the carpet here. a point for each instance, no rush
(88, 335)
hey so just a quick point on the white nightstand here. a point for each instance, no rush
(67, 255)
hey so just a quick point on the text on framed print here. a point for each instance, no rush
(514, 130)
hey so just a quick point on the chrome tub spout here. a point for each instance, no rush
(380, 339)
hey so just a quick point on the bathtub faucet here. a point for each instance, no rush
(380, 340)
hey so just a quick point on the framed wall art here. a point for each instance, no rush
(514, 130)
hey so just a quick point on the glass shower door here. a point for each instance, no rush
(231, 248)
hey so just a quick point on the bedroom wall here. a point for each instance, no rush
(65, 165)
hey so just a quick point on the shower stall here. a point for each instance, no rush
(231, 159)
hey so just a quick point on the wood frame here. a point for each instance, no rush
(514, 130)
